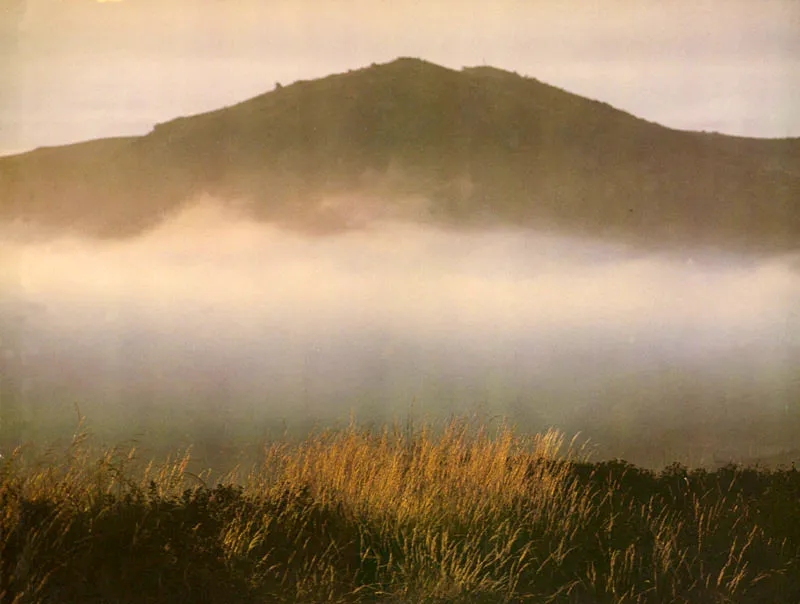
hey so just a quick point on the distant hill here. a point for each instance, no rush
(412, 139)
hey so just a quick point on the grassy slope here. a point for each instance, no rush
(482, 144)
(402, 515)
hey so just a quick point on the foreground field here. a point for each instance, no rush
(400, 515)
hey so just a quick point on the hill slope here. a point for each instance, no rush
(409, 138)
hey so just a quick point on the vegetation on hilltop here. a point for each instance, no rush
(481, 145)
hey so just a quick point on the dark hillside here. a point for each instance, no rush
(480, 146)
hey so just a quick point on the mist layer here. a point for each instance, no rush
(214, 327)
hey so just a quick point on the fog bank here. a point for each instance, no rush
(212, 327)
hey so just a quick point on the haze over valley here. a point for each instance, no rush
(213, 329)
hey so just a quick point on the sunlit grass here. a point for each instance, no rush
(403, 514)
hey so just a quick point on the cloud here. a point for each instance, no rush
(213, 313)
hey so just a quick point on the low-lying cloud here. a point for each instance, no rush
(213, 315)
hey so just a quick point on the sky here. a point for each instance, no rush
(72, 70)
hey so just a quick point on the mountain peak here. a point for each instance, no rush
(480, 144)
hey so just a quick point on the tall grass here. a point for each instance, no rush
(402, 514)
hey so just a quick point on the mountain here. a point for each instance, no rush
(411, 139)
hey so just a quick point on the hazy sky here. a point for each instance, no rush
(77, 69)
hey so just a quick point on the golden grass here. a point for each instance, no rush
(401, 514)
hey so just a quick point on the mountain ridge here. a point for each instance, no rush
(481, 145)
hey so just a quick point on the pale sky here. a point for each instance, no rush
(72, 70)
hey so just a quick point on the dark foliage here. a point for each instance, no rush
(144, 546)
